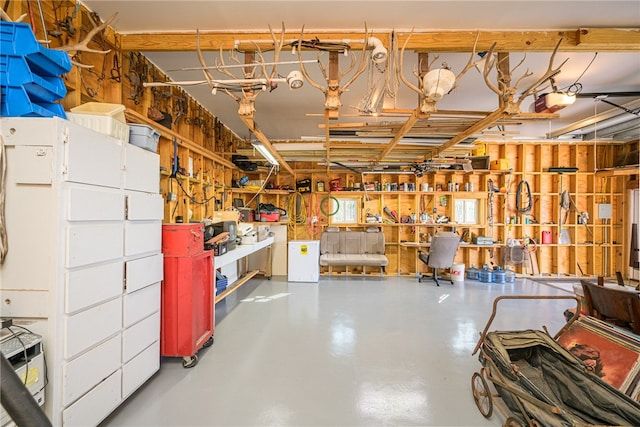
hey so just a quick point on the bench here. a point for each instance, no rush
(619, 306)
(353, 248)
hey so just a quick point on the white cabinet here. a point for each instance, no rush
(84, 223)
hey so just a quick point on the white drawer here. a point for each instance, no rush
(88, 370)
(89, 286)
(141, 169)
(94, 406)
(143, 272)
(93, 158)
(142, 237)
(144, 206)
(84, 329)
(89, 244)
(140, 304)
(139, 336)
(91, 204)
(138, 370)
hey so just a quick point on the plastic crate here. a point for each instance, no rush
(144, 136)
(116, 111)
(102, 117)
(16, 38)
(15, 71)
(16, 103)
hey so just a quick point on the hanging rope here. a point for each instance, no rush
(523, 185)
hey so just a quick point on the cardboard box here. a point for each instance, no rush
(500, 164)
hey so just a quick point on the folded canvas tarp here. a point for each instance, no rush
(532, 372)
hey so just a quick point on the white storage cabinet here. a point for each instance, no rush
(84, 222)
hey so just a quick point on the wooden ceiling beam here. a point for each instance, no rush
(251, 124)
(406, 127)
(476, 127)
(575, 40)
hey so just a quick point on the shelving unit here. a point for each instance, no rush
(594, 248)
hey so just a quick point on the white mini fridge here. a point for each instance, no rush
(304, 261)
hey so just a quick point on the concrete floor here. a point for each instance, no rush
(363, 351)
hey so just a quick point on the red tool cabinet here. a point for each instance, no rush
(187, 306)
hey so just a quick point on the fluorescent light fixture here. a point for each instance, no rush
(298, 146)
(265, 153)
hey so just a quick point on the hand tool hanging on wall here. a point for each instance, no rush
(137, 75)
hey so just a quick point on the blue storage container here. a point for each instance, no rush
(510, 276)
(221, 282)
(16, 38)
(472, 273)
(16, 103)
(15, 71)
(485, 275)
(498, 275)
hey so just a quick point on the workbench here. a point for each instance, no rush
(241, 254)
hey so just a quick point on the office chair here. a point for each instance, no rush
(444, 246)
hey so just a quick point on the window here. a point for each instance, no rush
(466, 211)
(346, 211)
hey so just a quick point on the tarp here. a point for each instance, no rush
(532, 372)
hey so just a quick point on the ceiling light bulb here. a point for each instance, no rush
(437, 83)
(379, 53)
(295, 80)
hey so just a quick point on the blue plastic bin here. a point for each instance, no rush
(14, 71)
(16, 103)
(16, 38)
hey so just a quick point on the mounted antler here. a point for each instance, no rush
(508, 92)
(252, 83)
(83, 46)
(444, 79)
(334, 89)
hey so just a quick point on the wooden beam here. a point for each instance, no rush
(575, 39)
(136, 117)
(251, 124)
(614, 39)
(477, 127)
(413, 118)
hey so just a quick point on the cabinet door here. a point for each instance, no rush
(140, 304)
(92, 158)
(144, 206)
(143, 272)
(142, 237)
(141, 169)
(89, 286)
(93, 243)
(94, 406)
(140, 368)
(84, 329)
(85, 372)
(140, 336)
(94, 204)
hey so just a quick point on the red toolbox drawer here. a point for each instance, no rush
(182, 239)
